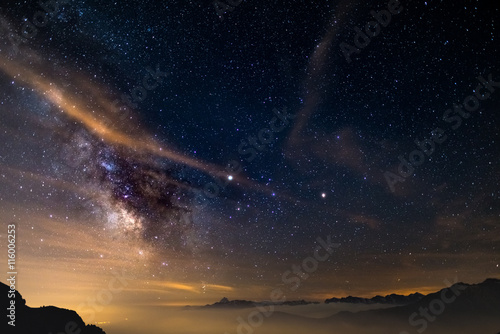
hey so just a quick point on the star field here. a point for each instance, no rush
(207, 154)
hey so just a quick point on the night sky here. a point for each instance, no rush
(204, 152)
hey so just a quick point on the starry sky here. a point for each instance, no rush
(201, 150)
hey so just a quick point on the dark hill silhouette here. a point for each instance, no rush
(42, 320)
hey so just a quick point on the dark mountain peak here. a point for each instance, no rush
(458, 308)
(5, 289)
(224, 302)
(491, 281)
(45, 319)
(389, 299)
(415, 297)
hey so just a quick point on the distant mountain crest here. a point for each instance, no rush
(389, 299)
(239, 303)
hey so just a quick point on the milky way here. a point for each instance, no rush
(200, 151)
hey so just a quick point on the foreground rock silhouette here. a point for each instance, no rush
(40, 320)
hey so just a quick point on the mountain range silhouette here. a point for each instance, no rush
(389, 299)
(460, 308)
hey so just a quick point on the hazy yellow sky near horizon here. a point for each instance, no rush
(61, 264)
